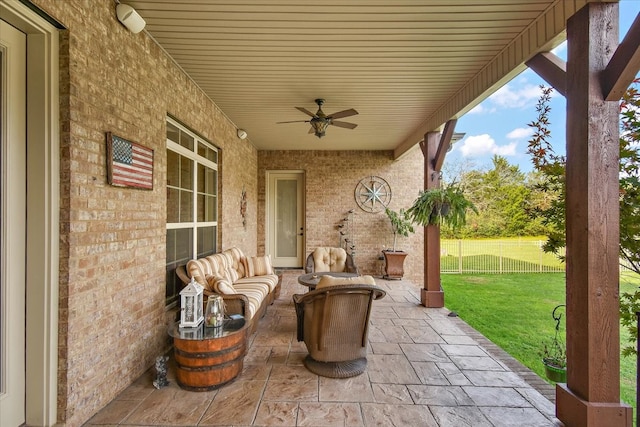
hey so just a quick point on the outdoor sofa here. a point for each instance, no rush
(247, 284)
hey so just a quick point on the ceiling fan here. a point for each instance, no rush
(319, 121)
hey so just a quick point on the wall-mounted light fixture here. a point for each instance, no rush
(242, 134)
(130, 18)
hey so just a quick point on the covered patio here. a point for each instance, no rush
(90, 268)
(424, 369)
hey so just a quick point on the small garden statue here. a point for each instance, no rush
(161, 372)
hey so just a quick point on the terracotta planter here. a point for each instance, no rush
(555, 374)
(394, 264)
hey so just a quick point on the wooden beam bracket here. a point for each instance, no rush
(552, 69)
(623, 66)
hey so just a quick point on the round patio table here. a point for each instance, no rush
(311, 280)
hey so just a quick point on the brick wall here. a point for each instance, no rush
(331, 178)
(112, 244)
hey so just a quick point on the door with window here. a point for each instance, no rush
(13, 224)
(285, 218)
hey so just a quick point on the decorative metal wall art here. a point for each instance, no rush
(243, 207)
(346, 232)
(373, 194)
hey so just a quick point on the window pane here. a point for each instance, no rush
(179, 252)
(173, 168)
(206, 180)
(184, 245)
(212, 209)
(173, 205)
(173, 133)
(207, 152)
(186, 173)
(206, 241)
(286, 218)
(179, 245)
(207, 208)
(186, 206)
(186, 140)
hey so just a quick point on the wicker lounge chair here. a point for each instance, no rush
(333, 322)
(327, 259)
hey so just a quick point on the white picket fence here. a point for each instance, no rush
(497, 256)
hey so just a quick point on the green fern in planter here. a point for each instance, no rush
(441, 206)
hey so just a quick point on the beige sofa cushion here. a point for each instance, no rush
(212, 265)
(220, 285)
(255, 295)
(230, 264)
(326, 281)
(259, 266)
(329, 259)
(238, 261)
(270, 279)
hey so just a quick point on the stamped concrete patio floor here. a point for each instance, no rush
(424, 369)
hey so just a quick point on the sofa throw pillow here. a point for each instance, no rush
(220, 285)
(326, 281)
(259, 266)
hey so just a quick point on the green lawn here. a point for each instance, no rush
(514, 311)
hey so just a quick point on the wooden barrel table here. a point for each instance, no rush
(208, 358)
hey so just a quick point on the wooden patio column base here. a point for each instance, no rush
(432, 299)
(575, 411)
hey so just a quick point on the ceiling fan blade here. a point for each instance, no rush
(294, 121)
(344, 113)
(344, 124)
(304, 110)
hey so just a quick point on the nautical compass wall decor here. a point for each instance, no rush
(373, 194)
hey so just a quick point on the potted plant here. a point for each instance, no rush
(554, 353)
(554, 358)
(401, 225)
(441, 206)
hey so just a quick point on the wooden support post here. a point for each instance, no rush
(591, 396)
(432, 294)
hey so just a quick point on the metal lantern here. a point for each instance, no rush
(191, 303)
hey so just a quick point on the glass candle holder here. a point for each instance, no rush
(214, 313)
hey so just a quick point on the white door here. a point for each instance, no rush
(285, 218)
(13, 227)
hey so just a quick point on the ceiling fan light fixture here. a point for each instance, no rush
(319, 126)
(320, 121)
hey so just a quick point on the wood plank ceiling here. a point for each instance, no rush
(405, 65)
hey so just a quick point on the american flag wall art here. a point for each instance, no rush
(129, 164)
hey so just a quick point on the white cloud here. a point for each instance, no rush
(481, 109)
(510, 96)
(505, 150)
(480, 145)
(520, 133)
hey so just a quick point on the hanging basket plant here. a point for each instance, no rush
(554, 352)
(441, 206)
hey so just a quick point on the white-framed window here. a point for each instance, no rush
(192, 201)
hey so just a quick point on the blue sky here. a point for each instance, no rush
(499, 124)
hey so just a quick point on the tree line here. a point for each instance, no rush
(506, 199)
